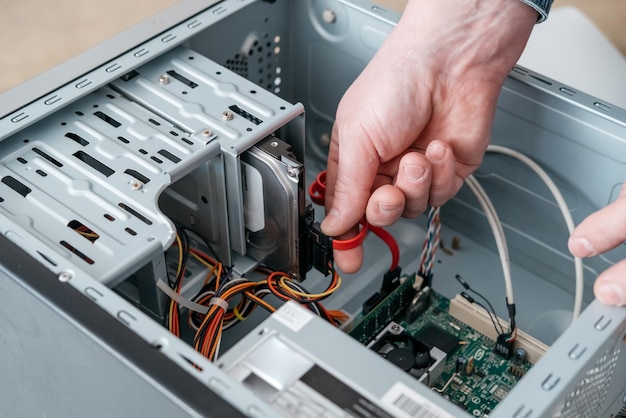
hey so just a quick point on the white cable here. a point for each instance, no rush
(498, 233)
(578, 264)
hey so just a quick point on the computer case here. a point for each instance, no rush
(214, 116)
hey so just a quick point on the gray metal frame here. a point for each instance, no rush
(311, 61)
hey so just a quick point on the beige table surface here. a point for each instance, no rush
(36, 35)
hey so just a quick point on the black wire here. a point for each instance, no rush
(493, 311)
(205, 241)
(491, 316)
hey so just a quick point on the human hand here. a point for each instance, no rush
(416, 122)
(599, 232)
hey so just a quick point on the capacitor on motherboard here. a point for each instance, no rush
(469, 368)
(461, 364)
(520, 356)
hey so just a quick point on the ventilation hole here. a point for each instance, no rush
(83, 230)
(79, 113)
(218, 72)
(110, 96)
(77, 138)
(135, 213)
(253, 91)
(108, 119)
(124, 140)
(191, 58)
(22, 160)
(109, 217)
(249, 129)
(96, 105)
(184, 92)
(143, 151)
(94, 163)
(137, 175)
(173, 133)
(282, 108)
(26, 141)
(41, 173)
(16, 185)
(130, 231)
(154, 122)
(45, 257)
(76, 252)
(169, 156)
(191, 362)
(63, 123)
(157, 160)
(186, 141)
(204, 199)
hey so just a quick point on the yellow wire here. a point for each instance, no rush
(284, 285)
(203, 261)
(178, 269)
(238, 315)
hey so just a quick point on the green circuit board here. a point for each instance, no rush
(490, 376)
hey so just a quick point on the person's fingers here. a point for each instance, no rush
(610, 286)
(602, 230)
(385, 206)
(349, 261)
(413, 179)
(351, 171)
(445, 183)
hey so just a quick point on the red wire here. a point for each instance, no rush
(348, 244)
(317, 189)
(391, 243)
(317, 192)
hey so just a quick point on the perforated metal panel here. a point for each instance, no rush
(86, 182)
(589, 397)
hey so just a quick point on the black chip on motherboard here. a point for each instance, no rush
(434, 336)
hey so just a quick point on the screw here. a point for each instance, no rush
(164, 79)
(136, 185)
(292, 173)
(274, 144)
(395, 329)
(207, 133)
(329, 16)
(227, 115)
(64, 277)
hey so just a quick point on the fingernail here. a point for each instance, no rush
(436, 152)
(611, 294)
(330, 221)
(388, 208)
(414, 173)
(581, 247)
